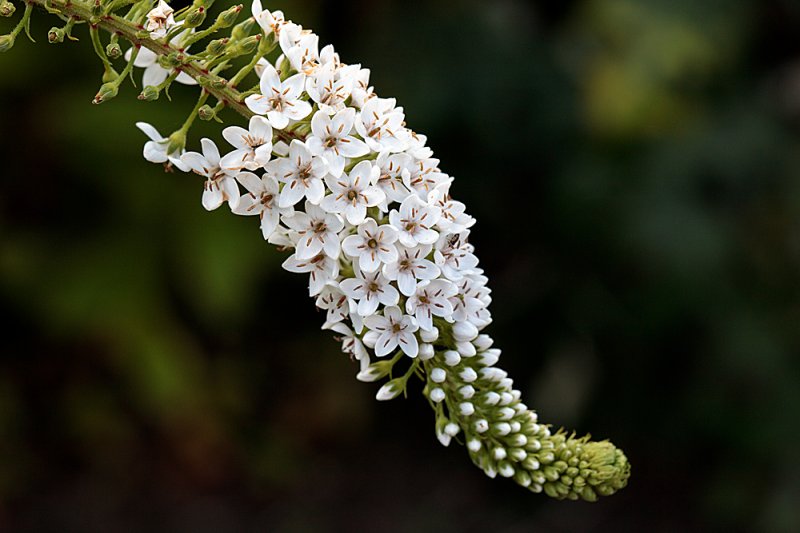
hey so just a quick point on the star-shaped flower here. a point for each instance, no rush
(321, 269)
(373, 245)
(317, 231)
(332, 140)
(328, 88)
(279, 100)
(160, 20)
(262, 201)
(394, 329)
(414, 221)
(351, 194)
(432, 298)
(369, 290)
(380, 124)
(219, 186)
(302, 173)
(410, 267)
(253, 146)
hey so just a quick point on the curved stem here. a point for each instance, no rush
(137, 36)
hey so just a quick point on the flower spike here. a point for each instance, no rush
(336, 178)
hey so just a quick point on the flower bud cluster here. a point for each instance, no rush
(333, 175)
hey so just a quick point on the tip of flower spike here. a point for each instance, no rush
(585, 469)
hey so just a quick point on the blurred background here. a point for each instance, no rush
(634, 167)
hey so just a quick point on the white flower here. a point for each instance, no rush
(453, 255)
(352, 194)
(381, 125)
(417, 146)
(372, 246)
(394, 329)
(424, 177)
(317, 231)
(414, 221)
(328, 89)
(160, 20)
(362, 91)
(335, 302)
(411, 266)
(279, 100)
(302, 173)
(304, 55)
(332, 140)
(369, 290)
(467, 304)
(351, 344)
(155, 150)
(154, 74)
(453, 219)
(321, 268)
(270, 22)
(432, 298)
(253, 146)
(219, 186)
(393, 169)
(262, 201)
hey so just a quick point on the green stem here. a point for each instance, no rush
(135, 35)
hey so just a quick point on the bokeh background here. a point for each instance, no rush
(635, 170)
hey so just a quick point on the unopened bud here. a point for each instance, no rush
(6, 42)
(7, 9)
(247, 45)
(170, 61)
(177, 142)
(107, 92)
(114, 51)
(242, 30)
(391, 389)
(217, 46)
(195, 17)
(206, 112)
(55, 35)
(149, 93)
(97, 8)
(375, 371)
(228, 17)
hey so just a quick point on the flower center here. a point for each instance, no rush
(352, 194)
(372, 244)
(319, 227)
(373, 286)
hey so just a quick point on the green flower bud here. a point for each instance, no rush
(7, 9)
(228, 17)
(242, 30)
(170, 61)
(149, 93)
(177, 141)
(206, 112)
(248, 45)
(56, 35)
(217, 46)
(114, 51)
(107, 91)
(195, 17)
(6, 42)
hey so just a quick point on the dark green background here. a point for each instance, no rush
(634, 167)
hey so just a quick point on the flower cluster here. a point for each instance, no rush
(336, 177)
